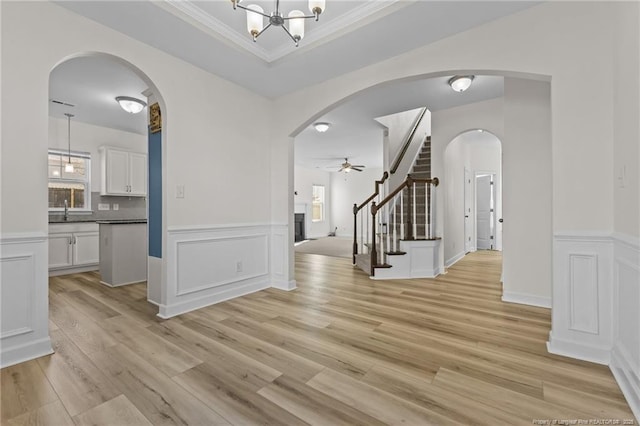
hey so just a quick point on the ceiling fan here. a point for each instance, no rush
(347, 166)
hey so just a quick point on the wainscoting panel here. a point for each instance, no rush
(24, 330)
(210, 264)
(583, 279)
(625, 358)
(582, 317)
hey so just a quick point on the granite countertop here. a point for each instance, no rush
(120, 221)
(57, 220)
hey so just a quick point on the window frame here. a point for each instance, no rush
(322, 203)
(87, 181)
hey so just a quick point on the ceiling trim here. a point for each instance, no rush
(187, 11)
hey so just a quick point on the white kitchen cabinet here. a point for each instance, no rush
(73, 247)
(124, 173)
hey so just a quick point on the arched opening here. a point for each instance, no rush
(473, 195)
(520, 118)
(113, 197)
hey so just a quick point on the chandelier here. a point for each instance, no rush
(256, 15)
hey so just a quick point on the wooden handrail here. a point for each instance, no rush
(407, 142)
(357, 208)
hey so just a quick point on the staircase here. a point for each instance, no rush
(394, 235)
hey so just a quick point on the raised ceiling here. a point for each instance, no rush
(348, 36)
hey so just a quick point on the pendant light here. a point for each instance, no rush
(68, 168)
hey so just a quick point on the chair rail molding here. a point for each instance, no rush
(24, 330)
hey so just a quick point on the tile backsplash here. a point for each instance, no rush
(128, 208)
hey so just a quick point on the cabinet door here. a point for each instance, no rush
(86, 250)
(60, 250)
(117, 182)
(137, 174)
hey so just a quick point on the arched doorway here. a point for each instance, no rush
(124, 155)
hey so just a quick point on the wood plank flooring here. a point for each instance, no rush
(340, 350)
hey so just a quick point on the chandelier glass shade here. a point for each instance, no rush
(296, 18)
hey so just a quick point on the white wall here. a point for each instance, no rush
(348, 189)
(527, 191)
(477, 152)
(304, 181)
(88, 137)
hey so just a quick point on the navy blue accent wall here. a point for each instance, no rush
(155, 194)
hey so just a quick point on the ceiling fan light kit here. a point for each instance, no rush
(296, 18)
(460, 83)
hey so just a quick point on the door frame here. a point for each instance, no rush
(494, 213)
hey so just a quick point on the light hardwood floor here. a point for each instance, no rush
(341, 349)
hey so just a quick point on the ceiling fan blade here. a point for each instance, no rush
(342, 168)
(356, 169)
(359, 165)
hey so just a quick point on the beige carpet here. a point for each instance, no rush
(327, 246)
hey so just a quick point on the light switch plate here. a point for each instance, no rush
(179, 191)
(116, 206)
(103, 206)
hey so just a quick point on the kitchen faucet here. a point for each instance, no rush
(66, 210)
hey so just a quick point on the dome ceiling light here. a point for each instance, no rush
(131, 105)
(321, 127)
(460, 83)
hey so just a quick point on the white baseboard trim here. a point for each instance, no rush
(68, 271)
(284, 285)
(578, 350)
(26, 352)
(121, 284)
(526, 299)
(628, 381)
(452, 261)
(168, 311)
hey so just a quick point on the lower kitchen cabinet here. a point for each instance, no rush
(73, 247)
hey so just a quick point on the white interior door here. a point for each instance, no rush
(468, 229)
(484, 212)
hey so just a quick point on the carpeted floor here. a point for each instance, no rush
(327, 246)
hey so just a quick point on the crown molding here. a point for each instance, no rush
(194, 15)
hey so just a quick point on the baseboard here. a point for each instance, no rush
(452, 261)
(26, 352)
(284, 285)
(628, 381)
(168, 311)
(578, 350)
(121, 284)
(526, 299)
(69, 271)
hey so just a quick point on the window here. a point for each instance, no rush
(75, 187)
(317, 204)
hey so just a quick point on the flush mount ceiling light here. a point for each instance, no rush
(256, 15)
(460, 83)
(131, 105)
(68, 168)
(321, 127)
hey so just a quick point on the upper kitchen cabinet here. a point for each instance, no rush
(124, 173)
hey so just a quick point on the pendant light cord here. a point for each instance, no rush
(69, 134)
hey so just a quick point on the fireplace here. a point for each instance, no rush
(299, 227)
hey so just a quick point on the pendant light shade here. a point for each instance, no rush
(68, 168)
(131, 105)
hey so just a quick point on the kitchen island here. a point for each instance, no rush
(123, 251)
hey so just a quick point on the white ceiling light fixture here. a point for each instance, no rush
(321, 127)
(256, 15)
(68, 168)
(460, 83)
(131, 105)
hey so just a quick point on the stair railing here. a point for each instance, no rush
(406, 213)
(364, 210)
(407, 141)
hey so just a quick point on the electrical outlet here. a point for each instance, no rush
(239, 266)
(116, 206)
(179, 191)
(103, 206)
